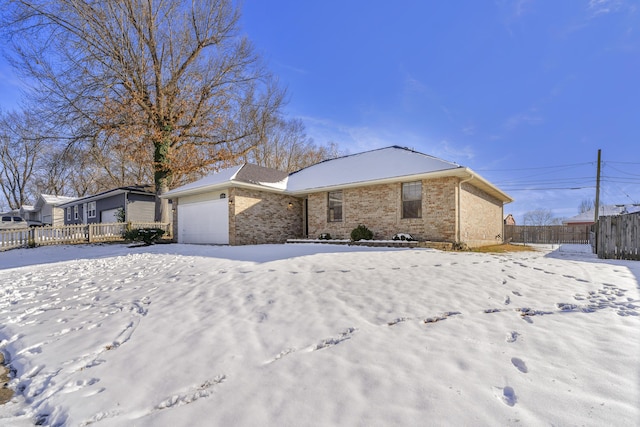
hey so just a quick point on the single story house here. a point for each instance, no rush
(46, 210)
(123, 204)
(588, 217)
(390, 190)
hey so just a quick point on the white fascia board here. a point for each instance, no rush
(222, 186)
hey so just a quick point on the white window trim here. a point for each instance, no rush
(69, 214)
(91, 208)
(75, 212)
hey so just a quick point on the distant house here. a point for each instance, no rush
(132, 203)
(588, 217)
(390, 190)
(46, 210)
(509, 220)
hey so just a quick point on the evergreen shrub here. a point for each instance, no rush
(361, 232)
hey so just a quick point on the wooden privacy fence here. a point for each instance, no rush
(618, 237)
(547, 234)
(71, 234)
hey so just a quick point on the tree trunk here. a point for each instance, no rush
(162, 175)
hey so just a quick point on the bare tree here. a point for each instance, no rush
(285, 146)
(586, 205)
(173, 81)
(539, 217)
(20, 150)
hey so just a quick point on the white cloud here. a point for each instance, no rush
(599, 7)
(520, 119)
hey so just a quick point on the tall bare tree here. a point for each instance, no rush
(172, 80)
(20, 149)
(284, 145)
(539, 217)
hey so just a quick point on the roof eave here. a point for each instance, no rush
(220, 186)
(459, 172)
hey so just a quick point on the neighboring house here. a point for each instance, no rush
(45, 211)
(390, 190)
(137, 203)
(509, 220)
(588, 217)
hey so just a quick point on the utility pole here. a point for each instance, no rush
(597, 204)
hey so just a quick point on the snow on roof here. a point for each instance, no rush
(56, 200)
(375, 165)
(605, 210)
(246, 173)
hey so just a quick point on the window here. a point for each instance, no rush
(412, 199)
(91, 209)
(334, 206)
(75, 212)
(68, 214)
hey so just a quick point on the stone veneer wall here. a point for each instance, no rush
(259, 217)
(481, 217)
(379, 207)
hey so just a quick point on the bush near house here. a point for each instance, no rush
(147, 235)
(361, 232)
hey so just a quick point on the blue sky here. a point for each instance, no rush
(523, 92)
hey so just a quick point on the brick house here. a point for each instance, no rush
(390, 190)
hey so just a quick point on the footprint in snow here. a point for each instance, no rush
(519, 363)
(507, 395)
(512, 336)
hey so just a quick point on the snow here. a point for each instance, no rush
(213, 180)
(374, 165)
(318, 334)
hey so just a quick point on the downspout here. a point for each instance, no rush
(459, 231)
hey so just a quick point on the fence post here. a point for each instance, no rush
(90, 232)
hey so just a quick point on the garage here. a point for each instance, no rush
(204, 222)
(109, 216)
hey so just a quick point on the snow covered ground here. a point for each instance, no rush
(295, 335)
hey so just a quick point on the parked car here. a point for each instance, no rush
(12, 223)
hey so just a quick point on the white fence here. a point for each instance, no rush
(72, 234)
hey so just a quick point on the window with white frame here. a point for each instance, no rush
(75, 212)
(334, 206)
(68, 214)
(91, 209)
(412, 199)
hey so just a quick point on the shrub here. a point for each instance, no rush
(147, 235)
(460, 246)
(361, 232)
(324, 236)
(403, 236)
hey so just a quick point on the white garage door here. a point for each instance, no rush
(109, 216)
(204, 222)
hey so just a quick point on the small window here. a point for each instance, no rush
(412, 199)
(68, 214)
(91, 209)
(223, 195)
(334, 206)
(75, 212)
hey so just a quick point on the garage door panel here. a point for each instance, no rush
(204, 222)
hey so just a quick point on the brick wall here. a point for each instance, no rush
(481, 217)
(259, 217)
(379, 207)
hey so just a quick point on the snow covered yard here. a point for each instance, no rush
(294, 335)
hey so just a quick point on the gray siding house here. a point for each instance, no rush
(133, 203)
